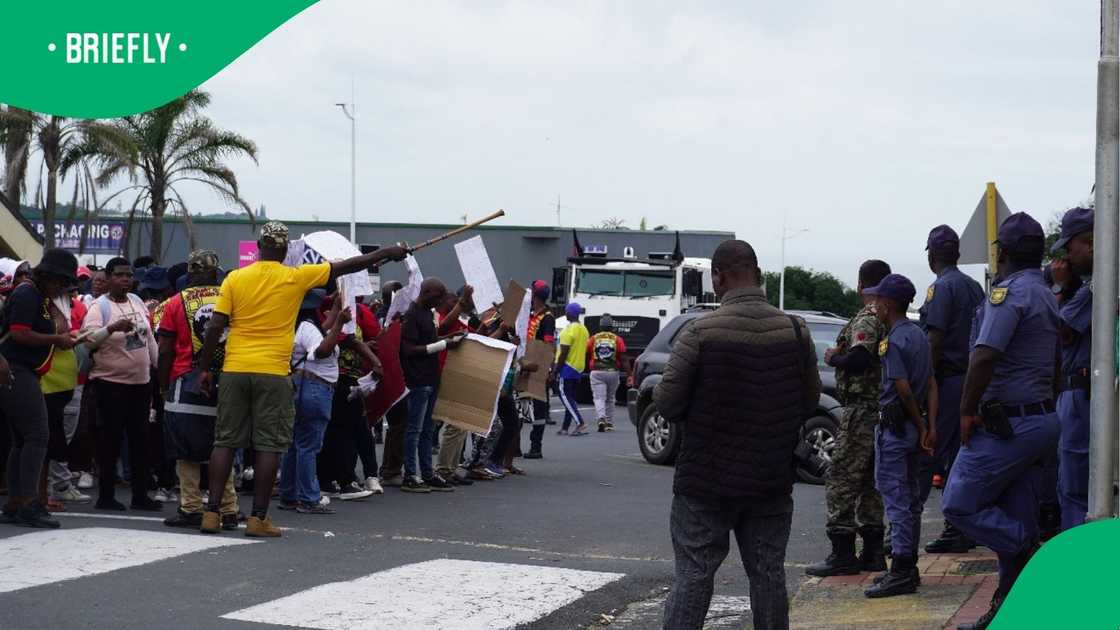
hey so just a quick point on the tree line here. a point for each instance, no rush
(143, 159)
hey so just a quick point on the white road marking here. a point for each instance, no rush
(726, 612)
(117, 517)
(433, 595)
(50, 556)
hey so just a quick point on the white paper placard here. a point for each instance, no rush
(479, 273)
(404, 297)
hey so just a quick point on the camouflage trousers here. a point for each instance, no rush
(853, 502)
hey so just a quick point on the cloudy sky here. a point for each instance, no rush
(865, 122)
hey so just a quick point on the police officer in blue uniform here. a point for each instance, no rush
(1076, 313)
(946, 317)
(1008, 421)
(909, 389)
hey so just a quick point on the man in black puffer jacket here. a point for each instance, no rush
(740, 381)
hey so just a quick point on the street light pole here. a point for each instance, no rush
(350, 112)
(1103, 412)
(786, 235)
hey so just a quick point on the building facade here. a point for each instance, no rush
(523, 253)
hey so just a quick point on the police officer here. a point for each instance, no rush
(1008, 422)
(1076, 313)
(946, 317)
(853, 502)
(909, 389)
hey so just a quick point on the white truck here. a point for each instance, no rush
(640, 294)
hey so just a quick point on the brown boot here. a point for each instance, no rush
(261, 528)
(211, 523)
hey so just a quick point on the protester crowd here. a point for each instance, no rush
(985, 396)
(188, 384)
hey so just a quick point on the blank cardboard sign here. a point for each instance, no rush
(471, 382)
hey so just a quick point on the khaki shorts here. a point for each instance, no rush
(254, 411)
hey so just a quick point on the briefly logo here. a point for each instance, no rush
(117, 48)
(999, 294)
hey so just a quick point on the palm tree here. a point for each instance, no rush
(173, 144)
(55, 137)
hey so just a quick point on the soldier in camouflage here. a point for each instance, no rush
(854, 505)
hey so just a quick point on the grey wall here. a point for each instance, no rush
(521, 253)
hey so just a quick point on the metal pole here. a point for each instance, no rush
(782, 276)
(1103, 428)
(993, 228)
(350, 112)
(353, 178)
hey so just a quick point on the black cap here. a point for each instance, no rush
(59, 262)
(943, 238)
(895, 286)
(1074, 222)
(1017, 227)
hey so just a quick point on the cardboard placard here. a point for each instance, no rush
(471, 383)
(512, 299)
(535, 384)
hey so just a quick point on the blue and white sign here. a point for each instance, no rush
(104, 237)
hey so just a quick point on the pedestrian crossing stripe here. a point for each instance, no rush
(434, 595)
(45, 557)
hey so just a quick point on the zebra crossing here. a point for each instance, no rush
(486, 595)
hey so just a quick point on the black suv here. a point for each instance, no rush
(659, 439)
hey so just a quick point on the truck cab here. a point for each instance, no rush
(642, 295)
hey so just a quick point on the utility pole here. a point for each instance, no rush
(351, 113)
(1102, 398)
(786, 235)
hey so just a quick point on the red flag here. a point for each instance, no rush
(391, 389)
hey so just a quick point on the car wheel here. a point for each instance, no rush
(820, 434)
(658, 438)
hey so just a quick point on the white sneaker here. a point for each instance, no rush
(247, 474)
(374, 486)
(164, 496)
(85, 481)
(206, 497)
(324, 500)
(71, 495)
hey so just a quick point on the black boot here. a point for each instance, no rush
(871, 556)
(986, 618)
(878, 579)
(900, 580)
(951, 540)
(842, 560)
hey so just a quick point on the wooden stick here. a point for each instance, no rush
(457, 231)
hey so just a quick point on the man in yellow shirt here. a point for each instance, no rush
(571, 359)
(259, 304)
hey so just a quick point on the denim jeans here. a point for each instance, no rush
(701, 530)
(418, 436)
(298, 481)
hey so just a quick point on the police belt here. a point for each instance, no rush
(997, 416)
(893, 418)
(1078, 380)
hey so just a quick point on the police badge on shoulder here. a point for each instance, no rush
(999, 294)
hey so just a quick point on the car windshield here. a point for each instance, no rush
(824, 337)
(632, 283)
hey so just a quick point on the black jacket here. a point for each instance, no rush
(740, 382)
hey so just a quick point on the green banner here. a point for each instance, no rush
(85, 59)
(1069, 583)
